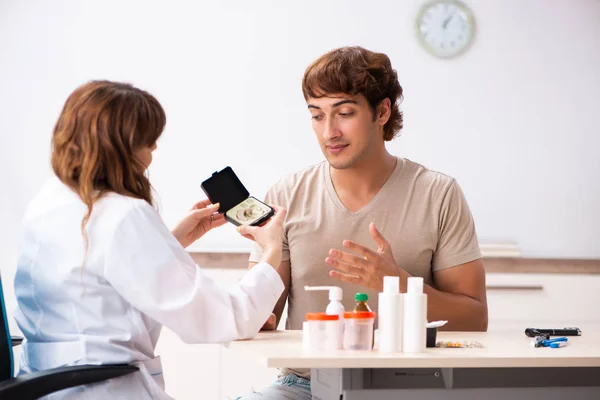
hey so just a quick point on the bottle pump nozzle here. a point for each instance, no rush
(335, 293)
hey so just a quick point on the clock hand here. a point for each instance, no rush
(447, 20)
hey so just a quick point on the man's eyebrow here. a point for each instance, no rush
(339, 103)
(342, 102)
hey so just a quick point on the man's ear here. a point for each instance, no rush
(384, 111)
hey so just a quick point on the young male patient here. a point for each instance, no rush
(364, 213)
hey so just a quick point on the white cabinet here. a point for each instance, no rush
(190, 371)
(243, 373)
(555, 300)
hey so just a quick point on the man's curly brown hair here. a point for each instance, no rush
(354, 71)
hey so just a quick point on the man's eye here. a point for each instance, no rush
(348, 114)
(317, 117)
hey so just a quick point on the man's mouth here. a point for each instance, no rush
(336, 148)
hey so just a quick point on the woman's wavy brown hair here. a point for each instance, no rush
(353, 71)
(96, 138)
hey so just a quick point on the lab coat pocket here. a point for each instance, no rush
(151, 376)
(145, 384)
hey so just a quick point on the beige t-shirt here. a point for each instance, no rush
(422, 214)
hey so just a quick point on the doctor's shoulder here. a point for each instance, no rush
(115, 209)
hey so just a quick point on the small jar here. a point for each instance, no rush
(358, 330)
(324, 332)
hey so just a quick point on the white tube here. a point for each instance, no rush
(390, 316)
(415, 317)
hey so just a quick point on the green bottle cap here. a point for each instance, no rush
(361, 297)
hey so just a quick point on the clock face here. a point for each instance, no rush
(445, 28)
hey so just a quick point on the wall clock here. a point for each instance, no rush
(445, 28)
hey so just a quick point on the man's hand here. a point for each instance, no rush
(271, 323)
(369, 269)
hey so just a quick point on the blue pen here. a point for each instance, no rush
(549, 342)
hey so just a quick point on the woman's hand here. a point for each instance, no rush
(271, 323)
(200, 219)
(269, 236)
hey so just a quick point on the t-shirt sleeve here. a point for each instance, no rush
(457, 243)
(273, 197)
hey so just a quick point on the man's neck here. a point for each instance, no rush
(365, 178)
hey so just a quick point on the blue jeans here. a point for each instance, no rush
(287, 387)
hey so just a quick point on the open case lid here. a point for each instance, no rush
(225, 188)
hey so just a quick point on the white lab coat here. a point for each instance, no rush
(136, 278)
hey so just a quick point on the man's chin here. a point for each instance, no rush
(336, 163)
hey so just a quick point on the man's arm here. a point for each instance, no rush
(285, 272)
(459, 296)
(458, 272)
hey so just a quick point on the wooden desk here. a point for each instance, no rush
(506, 367)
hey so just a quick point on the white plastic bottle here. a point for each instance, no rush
(390, 316)
(335, 306)
(415, 317)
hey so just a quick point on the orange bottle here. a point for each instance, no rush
(362, 306)
(361, 302)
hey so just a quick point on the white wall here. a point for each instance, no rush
(514, 119)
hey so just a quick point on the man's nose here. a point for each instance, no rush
(331, 130)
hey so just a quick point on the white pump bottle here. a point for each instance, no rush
(335, 306)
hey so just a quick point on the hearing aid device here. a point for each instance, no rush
(225, 188)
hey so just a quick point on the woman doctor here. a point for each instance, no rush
(98, 271)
